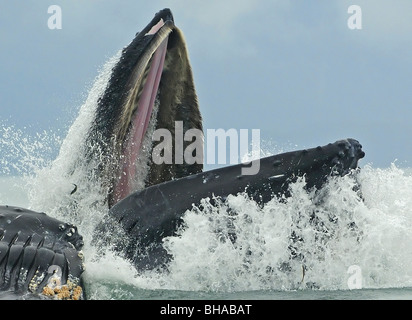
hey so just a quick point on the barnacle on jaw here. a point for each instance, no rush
(68, 291)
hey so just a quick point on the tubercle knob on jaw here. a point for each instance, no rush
(71, 235)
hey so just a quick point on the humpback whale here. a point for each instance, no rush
(150, 87)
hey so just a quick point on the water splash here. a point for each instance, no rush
(306, 241)
(22, 152)
(371, 231)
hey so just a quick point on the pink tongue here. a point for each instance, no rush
(140, 123)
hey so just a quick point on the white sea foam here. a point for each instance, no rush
(378, 242)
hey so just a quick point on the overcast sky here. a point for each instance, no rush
(293, 69)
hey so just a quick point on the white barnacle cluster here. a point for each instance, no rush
(69, 291)
(55, 289)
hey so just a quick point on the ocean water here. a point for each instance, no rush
(359, 248)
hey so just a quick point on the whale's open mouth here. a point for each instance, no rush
(152, 79)
(140, 105)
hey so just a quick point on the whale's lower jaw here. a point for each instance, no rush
(40, 257)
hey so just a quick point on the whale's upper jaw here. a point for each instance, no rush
(164, 14)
